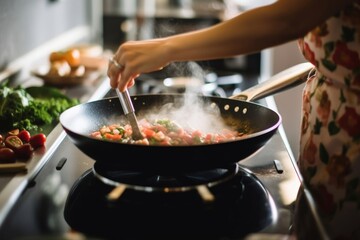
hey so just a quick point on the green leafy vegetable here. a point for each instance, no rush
(31, 108)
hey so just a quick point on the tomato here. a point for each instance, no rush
(7, 155)
(187, 138)
(25, 151)
(96, 135)
(165, 132)
(37, 140)
(148, 132)
(24, 135)
(13, 132)
(196, 133)
(160, 128)
(208, 138)
(113, 137)
(13, 142)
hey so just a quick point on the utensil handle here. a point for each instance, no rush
(125, 101)
(281, 81)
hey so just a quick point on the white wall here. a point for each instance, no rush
(288, 103)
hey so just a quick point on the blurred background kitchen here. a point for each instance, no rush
(31, 30)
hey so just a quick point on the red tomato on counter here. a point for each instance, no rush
(25, 151)
(13, 142)
(37, 140)
(7, 155)
(24, 135)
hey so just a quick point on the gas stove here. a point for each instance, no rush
(70, 192)
(225, 202)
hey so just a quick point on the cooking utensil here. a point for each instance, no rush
(262, 121)
(129, 112)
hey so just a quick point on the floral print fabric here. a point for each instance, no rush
(329, 158)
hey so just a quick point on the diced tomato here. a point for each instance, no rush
(165, 143)
(159, 136)
(114, 137)
(163, 132)
(105, 129)
(208, 138)
(143, 141)
(187, 138)
(148, 132)
(114, 126)
(96, 134)
(219, 138)
(160, 128)
(196, 133)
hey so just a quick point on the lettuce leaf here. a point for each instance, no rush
(31, 108)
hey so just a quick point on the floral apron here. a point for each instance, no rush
(329, 158)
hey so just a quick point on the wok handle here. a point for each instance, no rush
(281, 81)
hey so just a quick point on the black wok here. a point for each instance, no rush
(261, 122)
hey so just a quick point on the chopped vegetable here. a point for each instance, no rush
(31, 108)
(163, 132)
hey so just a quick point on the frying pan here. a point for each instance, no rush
(260, 121)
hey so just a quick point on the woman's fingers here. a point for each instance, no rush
(114, 71)
(133, 58)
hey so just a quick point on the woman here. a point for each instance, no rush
(329, 37)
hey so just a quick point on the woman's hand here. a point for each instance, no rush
(135, 57)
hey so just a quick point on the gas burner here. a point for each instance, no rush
(151, 182)
(147, 181)
(240, 205)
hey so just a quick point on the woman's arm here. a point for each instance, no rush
(250, 31)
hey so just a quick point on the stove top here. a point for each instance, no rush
(66, 194)
(58, 196)
(170, 209)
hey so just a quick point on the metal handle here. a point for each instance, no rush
(129, 111)
(286, 79)
(125, 101)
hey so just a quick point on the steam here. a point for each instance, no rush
(194, 113)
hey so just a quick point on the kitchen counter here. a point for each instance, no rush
(13, 184)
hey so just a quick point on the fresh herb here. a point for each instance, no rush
(31, 108)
